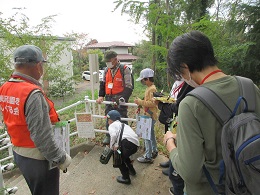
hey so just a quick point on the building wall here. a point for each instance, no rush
(66, 60)
(120, 50)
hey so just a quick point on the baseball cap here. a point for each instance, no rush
(113, 115)
(145, 73)
(28, 53)
(109, 55)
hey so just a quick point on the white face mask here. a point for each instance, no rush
(109, 64)
(190, 82)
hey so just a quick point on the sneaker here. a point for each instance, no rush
(165, 172)
(171, 190)
(165, 164)
(120, 179)
(143, 159)
(154, 154)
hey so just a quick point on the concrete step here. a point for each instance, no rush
(92, 177)
(14, 177)
(86, 175)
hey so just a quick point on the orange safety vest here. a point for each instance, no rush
(13, 96)
(114, 85)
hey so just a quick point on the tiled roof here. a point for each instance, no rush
(126, 57)
(109, 45)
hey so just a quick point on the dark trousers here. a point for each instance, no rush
(39, 178)
(121, 109)
(128, 148)
(176, 180)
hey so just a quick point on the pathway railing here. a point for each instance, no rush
(90, 107)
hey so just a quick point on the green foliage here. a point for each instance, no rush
(15, 31)
(233, 28)
(101, 62)
(62, 88)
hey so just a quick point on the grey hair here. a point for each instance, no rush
(23, 64)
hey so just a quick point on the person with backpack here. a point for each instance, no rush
(196, 149)
(116, 85)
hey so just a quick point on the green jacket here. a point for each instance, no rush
(199, 135)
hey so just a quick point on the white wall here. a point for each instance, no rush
(66, 60)
(120, 50)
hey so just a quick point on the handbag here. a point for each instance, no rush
(106, 155)
(117, 155)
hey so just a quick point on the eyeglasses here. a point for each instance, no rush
(175, 74)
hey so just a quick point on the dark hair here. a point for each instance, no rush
(194, 49)
(150, 79)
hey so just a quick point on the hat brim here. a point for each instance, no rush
(139, 79)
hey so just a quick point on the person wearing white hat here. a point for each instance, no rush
(150, 109)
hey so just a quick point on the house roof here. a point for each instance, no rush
(109, 45)
(126, 57)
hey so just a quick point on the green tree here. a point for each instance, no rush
(233, 29)
(16, 31)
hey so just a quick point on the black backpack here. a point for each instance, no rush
(240, 139)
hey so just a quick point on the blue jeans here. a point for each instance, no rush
(150, 145)
(177, 181)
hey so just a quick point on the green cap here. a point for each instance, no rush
(109, 55)
(28, 53)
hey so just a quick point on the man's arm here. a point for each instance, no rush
(102, 90)
(40, 127)
(128, 88)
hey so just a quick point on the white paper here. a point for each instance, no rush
(143, 127)
(61, 136)
(85, 125)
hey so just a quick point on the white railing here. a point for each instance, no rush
(5, 141)
(92, 111)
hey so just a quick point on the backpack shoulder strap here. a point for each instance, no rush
(247, 90)
(105, 70)
(122, 68)
(213, 102)
(216, 105)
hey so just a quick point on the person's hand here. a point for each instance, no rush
(65, 164)
(100, 99)
(136, 101)
(169, 140)
(115, 148)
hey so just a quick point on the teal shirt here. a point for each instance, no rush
(199, 135)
